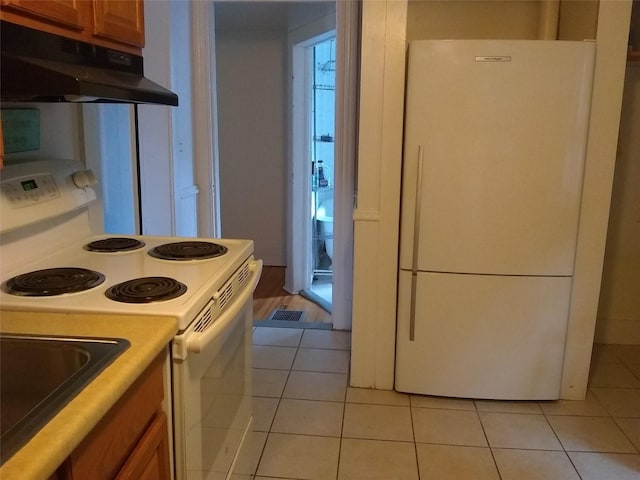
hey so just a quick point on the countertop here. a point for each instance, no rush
(149, 336)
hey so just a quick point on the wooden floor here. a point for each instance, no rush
(270, 294)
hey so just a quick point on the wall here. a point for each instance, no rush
(110, 150)
(251, 66)
(578, 19)
(55, 142)
(619, 308)
(155, 128)
(177, 144)
(252, 86)
(433, 19)
(171, 195)
(185, 190)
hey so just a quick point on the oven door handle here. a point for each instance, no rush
(198, 341)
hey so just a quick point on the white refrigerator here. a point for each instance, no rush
(494, 145)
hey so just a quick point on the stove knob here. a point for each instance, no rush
(84, 178)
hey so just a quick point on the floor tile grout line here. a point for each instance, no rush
(344, 413)
(486, 437)
(304, 348)
(564, 450)
(601, 452)
(575, 467)
(614, 419)
(610, 417)
(415, 443)
(266, 440)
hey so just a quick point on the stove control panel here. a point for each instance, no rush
(32, 191)
(35, 189)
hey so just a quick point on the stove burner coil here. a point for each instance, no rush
(54, 281)
(114, 244)
(146, 290)
(193, 250)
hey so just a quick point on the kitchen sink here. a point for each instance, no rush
(39, 375)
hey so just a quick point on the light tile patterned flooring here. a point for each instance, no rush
(308, 424)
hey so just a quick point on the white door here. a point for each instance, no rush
(500, 128)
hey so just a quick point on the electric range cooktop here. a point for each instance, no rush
(138, 275)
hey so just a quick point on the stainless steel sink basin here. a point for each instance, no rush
(41, 374)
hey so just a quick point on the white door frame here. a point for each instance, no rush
(298, 273)
(299, 239)
(299, 229)
(347, 68)
(205, 117)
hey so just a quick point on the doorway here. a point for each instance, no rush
(314, 73)
(264, 188)
(301, 223)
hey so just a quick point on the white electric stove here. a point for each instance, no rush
(201, 278)
(51, 261)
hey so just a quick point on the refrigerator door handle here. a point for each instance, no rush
(416, 244)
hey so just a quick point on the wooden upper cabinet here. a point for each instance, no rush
(117, 24)
(64, 12)
(119, 20)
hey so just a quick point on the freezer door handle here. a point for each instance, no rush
(416, 244)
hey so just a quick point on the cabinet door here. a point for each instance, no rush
(150, 459)
(65, 12)
(101, 455)
(119, 20)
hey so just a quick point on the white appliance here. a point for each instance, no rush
(44, 241)
(494, 147)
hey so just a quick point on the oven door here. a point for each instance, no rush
(212, 389)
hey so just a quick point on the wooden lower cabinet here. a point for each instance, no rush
(131, 441)
(150, 459)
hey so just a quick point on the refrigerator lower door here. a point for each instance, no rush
(482, 336)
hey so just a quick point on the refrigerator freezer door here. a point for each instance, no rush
(502, 126)
(483, 336)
